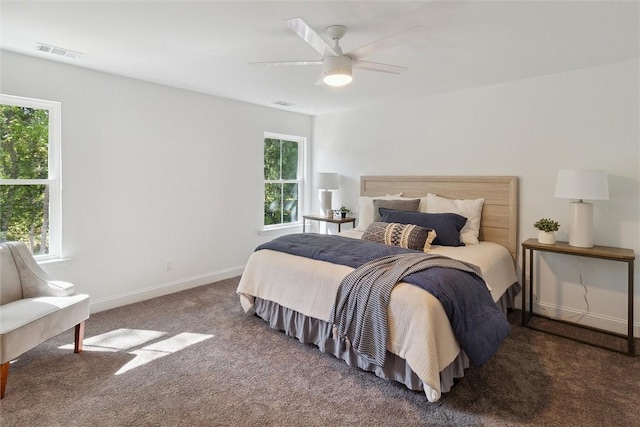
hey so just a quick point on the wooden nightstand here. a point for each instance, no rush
(600, 252)
(332, 220)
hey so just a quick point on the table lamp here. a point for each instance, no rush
(580, 185)
(326, 182)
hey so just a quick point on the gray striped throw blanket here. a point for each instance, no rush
(360, 310)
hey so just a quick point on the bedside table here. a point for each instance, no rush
(330, 219)
(600, 252)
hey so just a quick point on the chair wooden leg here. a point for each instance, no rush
(4, 368)
(4, 373)
(79, 337)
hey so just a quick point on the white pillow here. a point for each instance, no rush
(423, 204)
(470, 209)
(365, 209)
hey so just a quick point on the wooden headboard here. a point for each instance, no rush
(499, 221)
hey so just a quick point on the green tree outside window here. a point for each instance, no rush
(281, 186)
(24, 154)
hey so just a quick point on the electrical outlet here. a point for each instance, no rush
(168, 266)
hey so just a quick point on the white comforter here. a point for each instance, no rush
(419, 330)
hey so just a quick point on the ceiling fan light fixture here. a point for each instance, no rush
(337, 78)
(336, 71)
(337, 65)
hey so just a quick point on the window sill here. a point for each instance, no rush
(54, 262)
(281, 228)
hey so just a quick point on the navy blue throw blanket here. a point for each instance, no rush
(477, 322)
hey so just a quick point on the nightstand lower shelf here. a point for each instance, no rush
(584, 334)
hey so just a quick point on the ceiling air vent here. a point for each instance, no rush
(57, 50)
(283, 103)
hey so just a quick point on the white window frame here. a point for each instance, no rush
(301, 181)
(54, 181)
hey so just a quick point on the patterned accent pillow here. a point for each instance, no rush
(408, 236)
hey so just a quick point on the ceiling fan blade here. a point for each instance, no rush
(383, 43)
(376, 66)
(286, 63)
(309, 35)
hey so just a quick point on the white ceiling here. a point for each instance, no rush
(205, 46)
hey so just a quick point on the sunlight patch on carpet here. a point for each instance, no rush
(118, 340)
(127, 339)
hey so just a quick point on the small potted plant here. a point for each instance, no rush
(548, 228)
(343, 211)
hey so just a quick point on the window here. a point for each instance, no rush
(30, 204)
(283, 179)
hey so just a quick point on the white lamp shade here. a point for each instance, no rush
(582, 184)
(327, 181)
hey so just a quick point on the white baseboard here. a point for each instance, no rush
(595, 320)
(163, 289)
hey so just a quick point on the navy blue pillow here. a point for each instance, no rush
(447, 225)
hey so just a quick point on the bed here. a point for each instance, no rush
(296, 294)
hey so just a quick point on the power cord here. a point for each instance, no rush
(579, 317)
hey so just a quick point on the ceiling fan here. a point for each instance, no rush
(336, 65)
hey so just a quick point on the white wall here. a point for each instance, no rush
(151, 173)
(586, 119)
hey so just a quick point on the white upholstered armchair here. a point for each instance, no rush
(33, 308)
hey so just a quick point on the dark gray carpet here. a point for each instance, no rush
(248, 374)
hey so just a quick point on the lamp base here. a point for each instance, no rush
(581, 225)
(325, 204)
